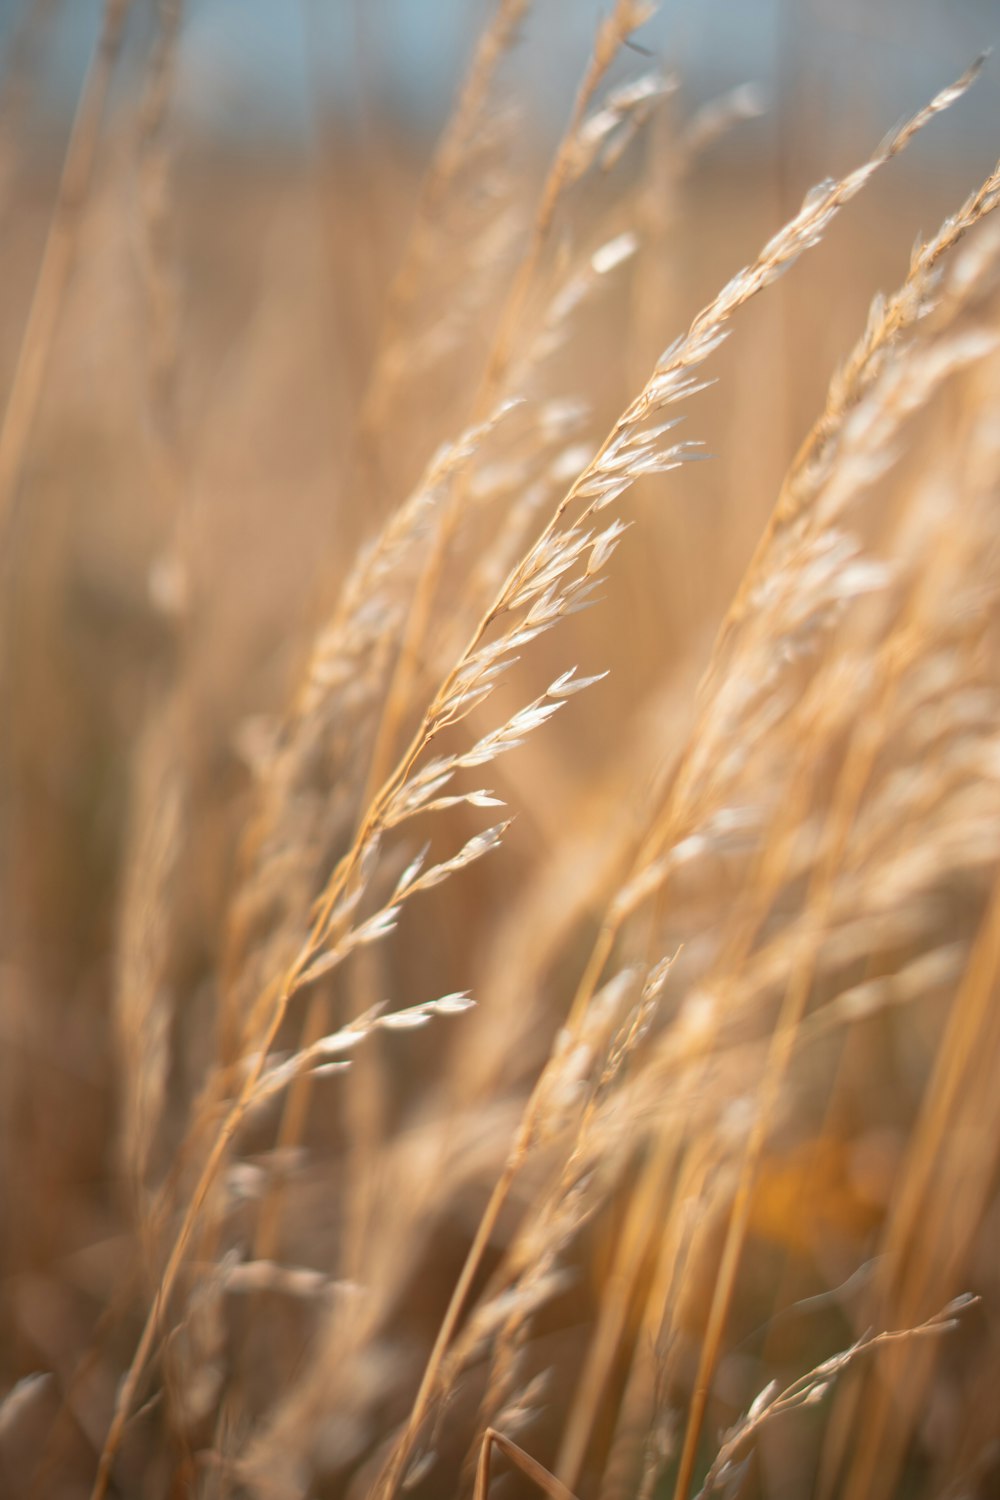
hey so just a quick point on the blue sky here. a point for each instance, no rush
(248, 65)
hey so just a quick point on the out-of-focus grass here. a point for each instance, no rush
(198, 681)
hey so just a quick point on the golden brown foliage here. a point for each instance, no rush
(360, 1139)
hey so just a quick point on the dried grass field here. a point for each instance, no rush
(499, 793)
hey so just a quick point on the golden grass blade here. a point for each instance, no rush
(670, 381)
(625, 18)
(857, 768)
(57, 261)
(466, 121)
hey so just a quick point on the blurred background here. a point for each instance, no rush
(249, 68)
(291, 151)
(203, 460)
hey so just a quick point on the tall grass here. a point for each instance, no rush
(432, 1067)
